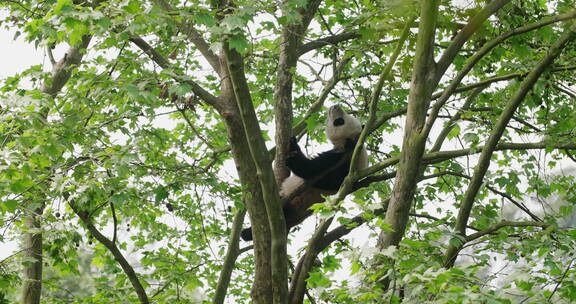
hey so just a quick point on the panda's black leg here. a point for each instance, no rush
(294, 216)
(246, 234)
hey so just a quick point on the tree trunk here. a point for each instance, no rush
(32, 254)
(262, 161)
(414, 143)
(252, 194)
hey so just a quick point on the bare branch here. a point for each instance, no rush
(115, 222)
(317, 105)
(504, 224)
(436, 157)
(451, 123)
(330, 40)
(561, 279)
(570, 94)
(491, 80)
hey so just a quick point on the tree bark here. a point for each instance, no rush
(283, 102)
(413, 143)
(425, 77)
(228, 109)
(252, 193)
(291, 41)
(262, 162)
(32, 253)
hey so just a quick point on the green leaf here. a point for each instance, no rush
(10, 205)
(239, 43)
(233, 22)
(471, 138)
(205, 19)
(317, 279)
(355, 267)
(384, 226)
(161, 193)
(99, 262)
(132, 90)
(104, 23)
(119, 198)
(181, 89)
(63, 6)
(133, 7)
(455, 131)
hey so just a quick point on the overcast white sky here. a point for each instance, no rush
(16, 56)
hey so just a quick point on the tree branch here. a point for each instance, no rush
(570, 94)
(504, 224)
(32, 241)
(465, 33)
(496, 134)
(230, 259)
(194, 36)
(317, 105)
(471, 62)
(111, 246)
(518, 204)
(291, 39)
(561, 279)
(449, 125)
(437, 157)
(165, 64)
(330, 40)
(115, 222)
(491, 80)
(62, 71)
(413, 142)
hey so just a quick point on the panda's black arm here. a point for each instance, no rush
(307, 168)
(310, 168)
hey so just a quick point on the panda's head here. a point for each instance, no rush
(341, 126)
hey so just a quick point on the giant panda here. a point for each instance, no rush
(326, 171)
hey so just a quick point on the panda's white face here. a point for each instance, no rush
(340, 126)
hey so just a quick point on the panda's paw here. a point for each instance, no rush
(293, 148)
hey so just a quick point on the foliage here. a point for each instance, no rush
(148, 159)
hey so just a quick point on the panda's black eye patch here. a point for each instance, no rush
(338, 122)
